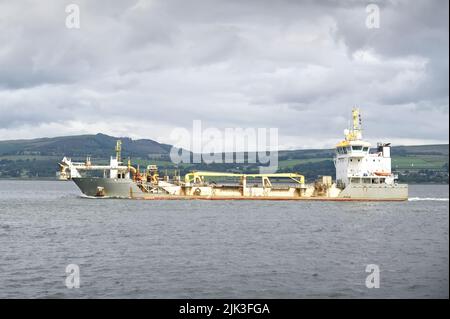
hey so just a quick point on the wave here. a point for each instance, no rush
(415, 199)
(93, 197)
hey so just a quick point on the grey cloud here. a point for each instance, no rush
(296, 65)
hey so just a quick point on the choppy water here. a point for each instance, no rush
(214, 249)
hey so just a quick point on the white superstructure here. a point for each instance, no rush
(356, 164)
(115, 169)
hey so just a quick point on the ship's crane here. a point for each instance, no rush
(70, 169)
(199, 177)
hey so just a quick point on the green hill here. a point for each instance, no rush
(98, 146)
(39, 157)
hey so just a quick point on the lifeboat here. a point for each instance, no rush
(382, 174)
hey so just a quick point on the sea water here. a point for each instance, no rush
(220, 249)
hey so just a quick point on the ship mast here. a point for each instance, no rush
(118, 151)
(355, 133)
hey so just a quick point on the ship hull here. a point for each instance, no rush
(126, 188)
(108, 187)
(375, 192)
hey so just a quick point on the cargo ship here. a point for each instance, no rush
(361, 175)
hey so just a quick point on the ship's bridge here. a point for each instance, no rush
(353, 148)
(353, 145)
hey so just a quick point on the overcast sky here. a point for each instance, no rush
(143, 68)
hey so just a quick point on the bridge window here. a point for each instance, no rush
(365, 149)
(357, 148)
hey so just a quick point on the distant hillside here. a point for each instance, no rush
(441, 149)
(39, 158)
(100, 145)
